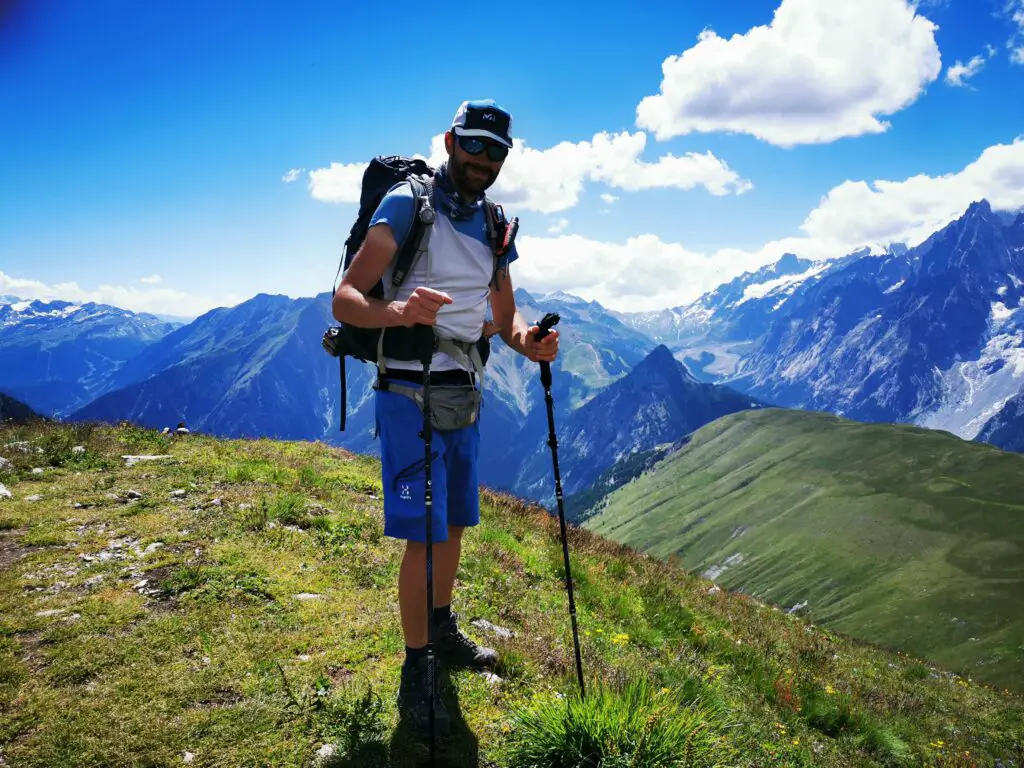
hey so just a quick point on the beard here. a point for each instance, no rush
(471, 178)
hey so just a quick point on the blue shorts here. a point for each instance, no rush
(453, 471)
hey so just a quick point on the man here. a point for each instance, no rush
(448, 288)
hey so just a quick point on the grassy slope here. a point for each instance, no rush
(905, 537)
(223, 660)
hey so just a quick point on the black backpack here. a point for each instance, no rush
(369, 344)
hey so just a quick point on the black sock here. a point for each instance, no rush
(442, 614)
(412, 655)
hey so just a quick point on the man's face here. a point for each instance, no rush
(473, 174)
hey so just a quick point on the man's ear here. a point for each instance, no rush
(449, 142)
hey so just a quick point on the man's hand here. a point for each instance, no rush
(422, 306)
(545, 350)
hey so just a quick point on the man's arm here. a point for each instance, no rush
(514, 330)
(351, 304)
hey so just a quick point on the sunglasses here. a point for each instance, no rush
(474, 146)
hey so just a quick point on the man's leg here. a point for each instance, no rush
(412, 584)
(403, 475)
(453, 646)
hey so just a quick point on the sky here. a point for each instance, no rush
(176, 157)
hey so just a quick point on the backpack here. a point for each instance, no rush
(372, 345)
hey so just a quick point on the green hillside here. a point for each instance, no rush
(233, 604)
(905, 537)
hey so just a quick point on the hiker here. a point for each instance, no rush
(448, 289)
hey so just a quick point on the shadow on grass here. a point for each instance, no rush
(411, 749)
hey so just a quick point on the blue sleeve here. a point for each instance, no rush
(395, 210)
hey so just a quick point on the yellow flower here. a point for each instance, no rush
(620, 638)
(796, 740)
(829, 690)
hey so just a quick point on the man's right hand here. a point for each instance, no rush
(422, 306)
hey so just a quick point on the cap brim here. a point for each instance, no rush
(483, 134)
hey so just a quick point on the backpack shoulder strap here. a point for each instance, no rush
(500, 232)
(416, 242)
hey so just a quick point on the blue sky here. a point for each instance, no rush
(144, 147)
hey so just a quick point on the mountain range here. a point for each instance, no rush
(57, 356)
(930, 335)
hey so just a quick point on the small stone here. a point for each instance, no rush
(714, 590)
(132, 460)
(133, 494)
(37, 470)
(206, 659)
(34, 497)
(491, 678)
(4, 493)
(78, 449)
(494, 629)
(326, 751)
(216, 502)
(153, 548)
(188, 757)
(307, 596)
(51, 612)
(177, 493)
(304, 657)
(141, 584)
(4, 463)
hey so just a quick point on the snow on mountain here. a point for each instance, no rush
(930, 335)
(57, 355)
(973, 391)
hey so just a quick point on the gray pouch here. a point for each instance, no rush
(450, 407)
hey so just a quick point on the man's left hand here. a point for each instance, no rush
(545, 350)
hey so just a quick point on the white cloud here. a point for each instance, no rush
(1015, 8)
(856, 214)
(340, 183)
(151, 280)
(558, 227)
(609, 198)
(292, 175)
(959, 73)
(819, 72)
(642, 273)
(646, 273)
(551, 180)
(164, 301)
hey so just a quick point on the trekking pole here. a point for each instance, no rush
(426, 349)
(545, 325)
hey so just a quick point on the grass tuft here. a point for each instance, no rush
(620, 725)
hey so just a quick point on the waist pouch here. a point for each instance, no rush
(451, 407)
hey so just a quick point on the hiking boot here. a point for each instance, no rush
(414, 699)
(456, 650)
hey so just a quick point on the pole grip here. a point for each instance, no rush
(550, 320)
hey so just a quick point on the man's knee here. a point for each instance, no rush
(455, 532)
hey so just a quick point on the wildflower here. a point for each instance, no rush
(830, 690)
(796, 740)
(621, 637)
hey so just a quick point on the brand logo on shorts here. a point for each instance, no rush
(405, 495)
